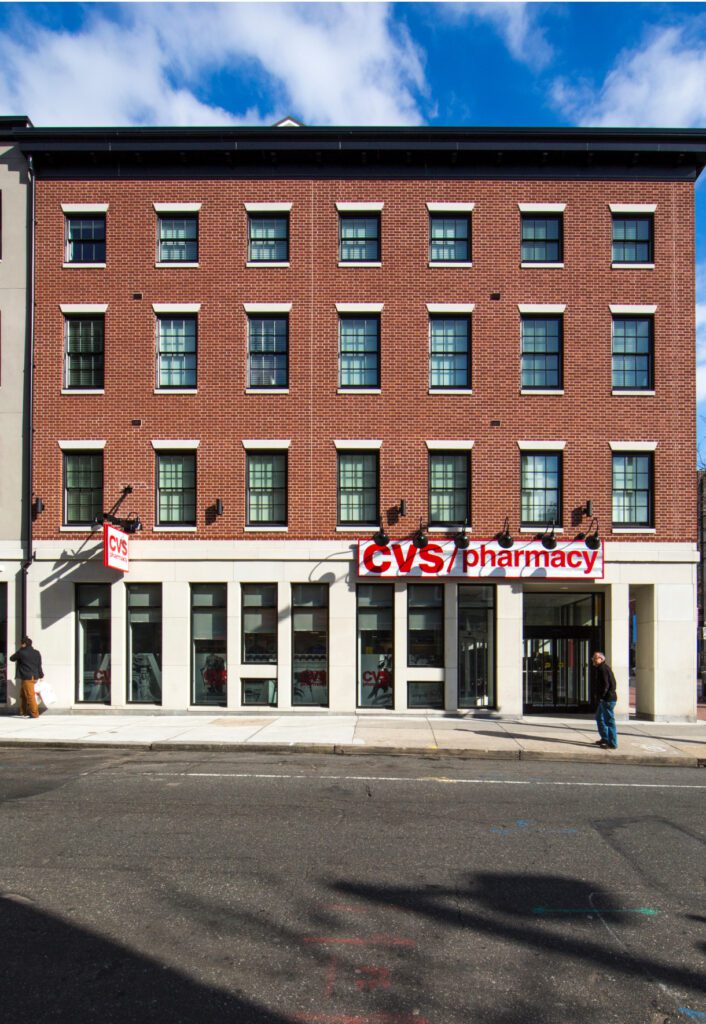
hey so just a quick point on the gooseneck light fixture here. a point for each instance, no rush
(504, 537)
(547, 539)
(381, 538)
(462, 540)
(419, 538)
(591, 538)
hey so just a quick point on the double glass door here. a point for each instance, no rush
(561, 632)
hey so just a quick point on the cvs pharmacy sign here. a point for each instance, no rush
(481, 559)
(115, 548)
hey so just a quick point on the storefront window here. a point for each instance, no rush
(209, 660)
(425, 695)
(476, 647)
(3, 643)
(144, 639)
(310, 644)
(260, 623)
(93, 643)
(375, 640)
(425, 625)
(259, 692)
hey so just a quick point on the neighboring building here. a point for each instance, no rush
(263, 344)
(14, 269)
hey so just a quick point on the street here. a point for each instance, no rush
(259, 889)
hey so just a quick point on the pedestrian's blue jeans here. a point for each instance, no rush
(605, 720)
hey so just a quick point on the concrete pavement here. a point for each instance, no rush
(529, 739)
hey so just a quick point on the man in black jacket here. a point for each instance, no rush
(29, 670)
(605, 691)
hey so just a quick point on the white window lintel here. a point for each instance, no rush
(176, 307)
(267, 307)
(450, 307)
(81, 446)
(84, 207)
(542, 207)
(451, 207)
(534, 307)
(175, 444)
(267, 444)
(177, 207)
(83, 307)
(360, 307)
(268, 207)
(352, 444)
(633, 446)
(633, 310)
(541, 446)
(449, 446)
(632, 207)
(359, 207)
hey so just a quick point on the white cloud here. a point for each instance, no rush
(516, 23)
(150, 63)
(663, 83)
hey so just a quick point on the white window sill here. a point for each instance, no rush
(266, 263)
(541, 391)
(633, 529)
(177, 263)
(356, 263)
(175, 391)
(632, 266)
(450, 391)
(631, 394)
(82, 391)
(453, 528)
(80, 529)
(542, 266)
(82, 266)
(360, 528)
(174, 529)
(541, 529)
(267, 391)
(359, 391)
(448, 263)
(265, 529)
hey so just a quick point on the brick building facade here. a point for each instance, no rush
(265, 346)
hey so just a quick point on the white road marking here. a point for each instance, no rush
(423, 778)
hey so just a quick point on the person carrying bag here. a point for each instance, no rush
(29, 670)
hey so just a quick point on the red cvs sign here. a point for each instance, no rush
(115, 548)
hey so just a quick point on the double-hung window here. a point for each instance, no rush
(268, 237)
(633, 238)
(449, 352)
(176, 351)
(449, 238)
(359, 338)
(540, 497)
(83, 487)
(633, 498)
(84, 348)
(267, 351)
(176, 488)
(448, 488)
(266, 489)
(178, 238)
(541, 357)
(358, 482)
(542, 238)
(359, 237)
(633, 340)
(85, 238)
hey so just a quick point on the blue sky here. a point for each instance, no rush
(515, 64)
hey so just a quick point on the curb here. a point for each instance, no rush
(429, 753)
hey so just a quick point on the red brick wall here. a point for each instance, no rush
(404, 415)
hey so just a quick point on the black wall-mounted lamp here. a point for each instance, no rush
(219, 507)
(381, 538)
(420, 539)
(462, 540)
(591, 538)
(402, 510)
(587, 509)
(504, 537)
(37, 506)
(547, 539)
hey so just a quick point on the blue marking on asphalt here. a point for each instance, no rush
(524, 825)
(646, 911)
(694, 1014)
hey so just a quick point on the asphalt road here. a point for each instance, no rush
(260, 889)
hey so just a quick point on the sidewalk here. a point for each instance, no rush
(529, 739)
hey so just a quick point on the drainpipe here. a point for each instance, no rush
(29, 400)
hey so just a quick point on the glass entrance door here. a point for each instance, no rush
(561, 631)
(557, 673)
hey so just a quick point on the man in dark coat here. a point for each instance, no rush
(29, 670)
(605, 691)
